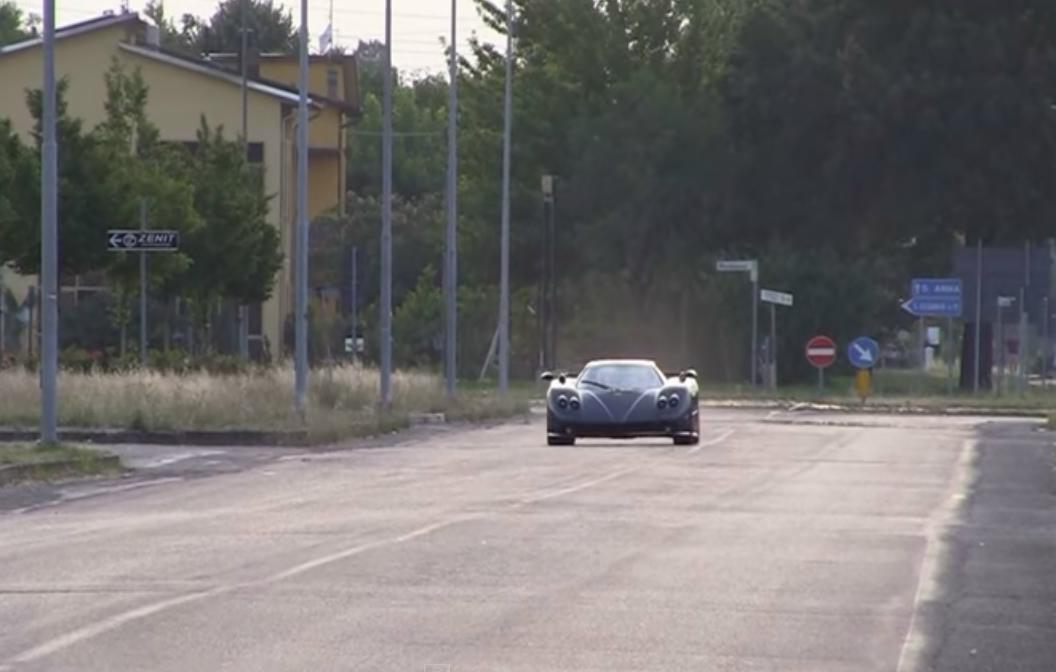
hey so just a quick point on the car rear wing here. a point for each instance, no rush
(682, 375)
(561, 376)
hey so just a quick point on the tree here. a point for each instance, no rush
(180, 39)
(12, 23)
(236, 254)
(271, 26)
(86, 198)
(146, 172)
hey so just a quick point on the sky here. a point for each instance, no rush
(417, 25)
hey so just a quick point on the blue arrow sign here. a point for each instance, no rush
(863, 352)
(933, 306)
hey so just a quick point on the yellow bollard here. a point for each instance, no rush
(863, 384)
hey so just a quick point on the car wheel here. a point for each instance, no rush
(560, 440)
(690, 440)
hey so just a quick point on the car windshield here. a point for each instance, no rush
(637, 377)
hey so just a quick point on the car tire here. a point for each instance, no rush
(560, 440)
(690, 440)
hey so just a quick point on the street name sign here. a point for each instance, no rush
(135, 240)
(750, 266)
(863, 352)
(821, 352)
(777, 298)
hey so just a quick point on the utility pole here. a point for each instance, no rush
(385, 346)
(355, 303)
(243, 314)
(143, 288)
(755, 323)
(3, 320)
(1046, 349)
(301, 267)
(451, 235)
(504, 256)
(978, 311)
(49, 251)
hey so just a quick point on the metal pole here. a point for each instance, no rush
(451, 244)
(301, 266)
(978, 311)
(1000, 346)
(755, 324)
(923, 346)
(385, 307)
(3, 320)
(949, 356)
(1024, 350)
(49, 241)
(504, 255)
(355, 303)
(821, 380)
(143, 288)
(243, 314)
(1045, 348)
(773, 347)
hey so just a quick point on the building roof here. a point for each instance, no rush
(99, 22)
(199, 65)
(206, 68)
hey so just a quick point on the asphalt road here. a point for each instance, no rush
(784, 542)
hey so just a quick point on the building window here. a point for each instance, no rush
(331, 82)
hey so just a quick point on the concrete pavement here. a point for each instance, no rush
(780, 544)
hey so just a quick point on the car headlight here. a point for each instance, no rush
(673, 401)
(573, 403)
(562, 402)
(661, 402)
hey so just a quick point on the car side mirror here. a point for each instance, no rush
(547, 376)
(561, 379)
(688, 373)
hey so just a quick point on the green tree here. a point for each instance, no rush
(236, 254)
(86, 198)
(12, 23)
(271, 26)
(145, 171)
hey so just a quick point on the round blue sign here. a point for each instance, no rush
(863, 352)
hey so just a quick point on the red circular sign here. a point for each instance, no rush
(821, 352)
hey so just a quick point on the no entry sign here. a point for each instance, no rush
(821, 352)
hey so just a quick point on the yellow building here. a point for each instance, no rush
(182, 90)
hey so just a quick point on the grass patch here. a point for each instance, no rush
(342, 401)
(26, 462)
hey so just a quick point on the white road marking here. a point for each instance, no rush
(91, 631)
(712, 442)
(914, 642)
(577, 488)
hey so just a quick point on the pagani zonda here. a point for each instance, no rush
(622, 399)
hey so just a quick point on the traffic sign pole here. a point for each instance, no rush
(773, 346)
(978, 312)
(143, 288)
(755, 325)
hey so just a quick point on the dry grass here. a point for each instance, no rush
(261, 400)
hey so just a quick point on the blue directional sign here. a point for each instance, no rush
(934, 297)
(863, 352)
(922, 306)
(936, 287)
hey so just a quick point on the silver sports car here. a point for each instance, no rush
(622, 399)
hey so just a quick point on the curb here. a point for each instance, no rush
(205, 438)
(17, 473)
(179, 438)
(878, 408)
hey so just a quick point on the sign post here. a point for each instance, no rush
(751, 267)
(821, 353)
(775, 299)
(1002, 303)
(864, 353)
(143, 241)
